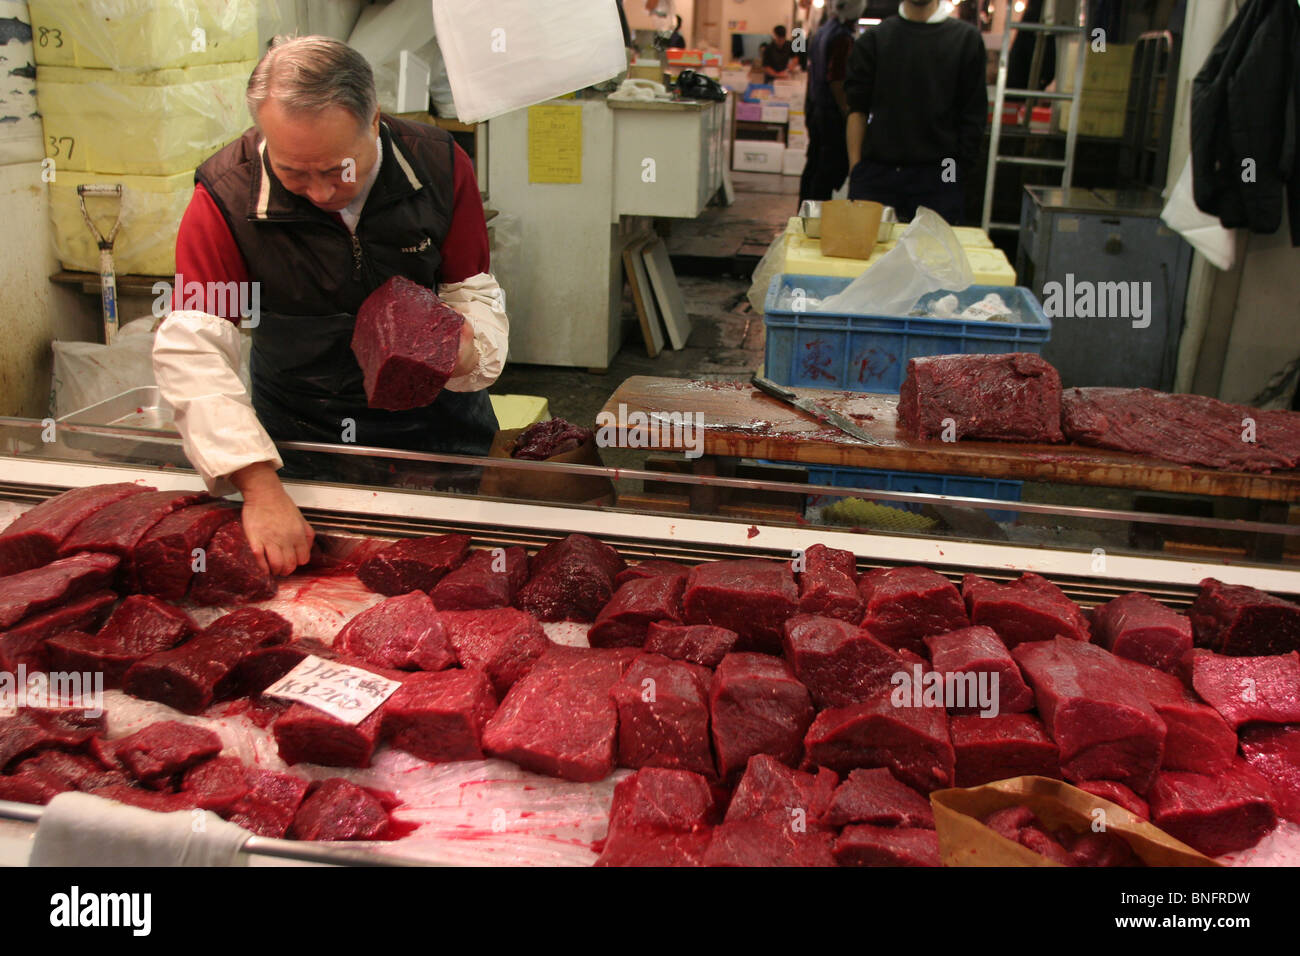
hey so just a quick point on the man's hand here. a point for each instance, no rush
(274, 526)
(467, 360)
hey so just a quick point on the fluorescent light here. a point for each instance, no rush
(1020, 6)
(818, 4)
(866, 22)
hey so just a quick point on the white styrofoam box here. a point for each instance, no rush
(798, 120)
(736, 80)
(506, 55)
(152, 123)
(753, 156)
(150, 213)
(784, 89)
(792, 162)
(796, 139)
(143, 34)
(775, 114)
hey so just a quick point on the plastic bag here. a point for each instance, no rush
(928, 256)
(1205, 233)
(773, 261)
(87, 372)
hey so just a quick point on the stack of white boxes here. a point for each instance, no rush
(796, 140)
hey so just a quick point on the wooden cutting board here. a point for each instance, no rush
(739, 421)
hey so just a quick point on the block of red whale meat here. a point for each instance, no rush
(769, 841)
(663, 715)
(413, 564)
(406, 341)
(232, 574)
(74, 771)
(29, 592)
(337, 809)
(1138, 627)
(489, 577)
(658, 798)
(261, 801)
(648, 569)
(33, 786)
(141, 625)
(1116, 792)
(1235, 619)
(116, 528)
(696, 643)
(31, 730)
(877, 797)
(1197, 738)
(34, 537)
(1245, 689)
(828, 584)
(979, 650)
(555, 436)
(403, 632)
(996, 748)
(648, 847)
(570, 580)
(623, 622)
(863, 844)
(1012, 396)
(307, 735)
(1030, 608)
(163, 562)
(904, 606)
(440, 717)
(1273, 751)
(770, 787)
(1231, 810)
(24, 644)
(156, 753)
(504, 641)
(750, 596)
(757, 706)
(839, 663)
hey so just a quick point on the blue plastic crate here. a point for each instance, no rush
(916, 483)
(869, 353)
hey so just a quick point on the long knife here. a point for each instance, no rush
(819, 412)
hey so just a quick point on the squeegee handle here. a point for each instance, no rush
(108, 291)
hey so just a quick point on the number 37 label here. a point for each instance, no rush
(349, 694)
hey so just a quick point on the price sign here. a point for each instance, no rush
(349, 694)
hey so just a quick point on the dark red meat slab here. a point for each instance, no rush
(262, 667)
(631, 846)
(663, 715)
(635, 606)
(749, 596)
(413, 564)
(570, 580)
(30, 592)
(440, 717)
(913, 742)
(769, 841)
(402, 632)
(307, 735)
(979, 650)
(118, 527)
(1196, 737)
(1098, 715)
(770, 787)
(162, 563)
(660, 799)
(489, 578)
(1238, 620)
(24, 644)
(219, 784)
(141, 625)
(648, 569)
(154, 754)
(1099, 848)
(838, 662)
(575, 740)
(406, 341)
(1245, 689)
(555, 436)
(503, 641)
(757, 706)
(232, 574)
(1140, 628)
(877, 797)
(903, 606)
(828, 584)
(32, 787)
(33, 538)
(340, 810)
(1117, 793)
(1273, 751)
(700, 644)
(997, 748)
(269, 807)
(865, 845)
(31, 730)
(158, 802)
(1015, 396)
(74, 771)
(1216, 814)
(1028, 609)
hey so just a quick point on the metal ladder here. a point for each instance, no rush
(1066, 165)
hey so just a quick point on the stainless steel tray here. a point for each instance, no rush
(143, 428)
(141, 407)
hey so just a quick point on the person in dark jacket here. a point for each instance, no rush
(826, 108)
(777, 54)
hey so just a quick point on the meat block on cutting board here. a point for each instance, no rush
(769, 841)
(1138, 627)
(231, 574)
(1238, 620)
(118, 527)
(155, 754)
(404, 632)
(1246, 689)
(337, 809)
(904, 606)
(663, 715)
(33, 538)
(877, 797)
(1273, 751)
(1030, 608)
(440, 717)
(700, 644)
(1231, 810)
(865, 845)
(1014, 396)
(750, 596)
(1000, 747)
(1197, 738)
(406, 341)
(141, 625)
(29, 592)
(828, 584)
(163, 562)
(503, 641)
(24, 644)
(413, 564)
(1098, 715)
(32, 730)
(570, 580)
(839, 663)
(978, 650)
(489, 578)
(770, 787)
(636, 605)
(757, 706)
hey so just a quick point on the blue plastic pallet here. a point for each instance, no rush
(869, 353)
(916, 483)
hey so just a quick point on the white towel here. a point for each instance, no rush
(79, 829)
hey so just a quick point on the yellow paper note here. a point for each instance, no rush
(555, 144)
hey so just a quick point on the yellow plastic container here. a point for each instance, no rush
(142, 34)
(151, 211)
(153, 123)
(519, 411)
(803, 256)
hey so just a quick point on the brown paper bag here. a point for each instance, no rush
(965, 841)
(850, 227)
(534, 485)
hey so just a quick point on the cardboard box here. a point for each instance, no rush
(850, 227)
(1105, 72)
(775, 114)
(685, 57)
(792, 162)
(1101, 113)
(749, 112)
(752, 156)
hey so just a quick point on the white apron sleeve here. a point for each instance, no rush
(196, 363)
(483, 304)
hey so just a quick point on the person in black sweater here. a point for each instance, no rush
(777, 54)
(918, 104)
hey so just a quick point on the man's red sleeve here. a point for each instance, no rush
(465, 250)
(206, 251)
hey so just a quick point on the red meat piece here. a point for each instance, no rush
(662, 800)
(339, 810)
(30, 592)
(903, 606)
(838, 662)
(1098, 715)
(232, 574)
(402, 632)
(162, 563)
(1117, 793)
(489, 578)
(1028, 609)
(118, 527)
(650, 847)
(141, 625)
(1102, 848)
(1237, 620)
(1216, 814)
(648, 569)
(1274, 753)
(219, 784)
(307, 735)
(1245, 689)
(757, 706)
(749, 596)
(269, 806)
(555, 436)
(163, 802)
(73, 771)
(503, 641)
(979, 650)
(769, 841)
(700, 644)
(158, 752)
(1196, 737)
(997, 748)
(440, 717)
(1015, 396)
(33, 538)
(1140, 628)
(663, 715)
(30, 731)
(32, 787)
(559, 719)
(263, 666)
(570, 580)
(413, 564)
(877, 797)
(24, 644)
(406, 341)
(865, 845)
(770, 787)
(828, 584)
(913, 742)
(634, 607)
